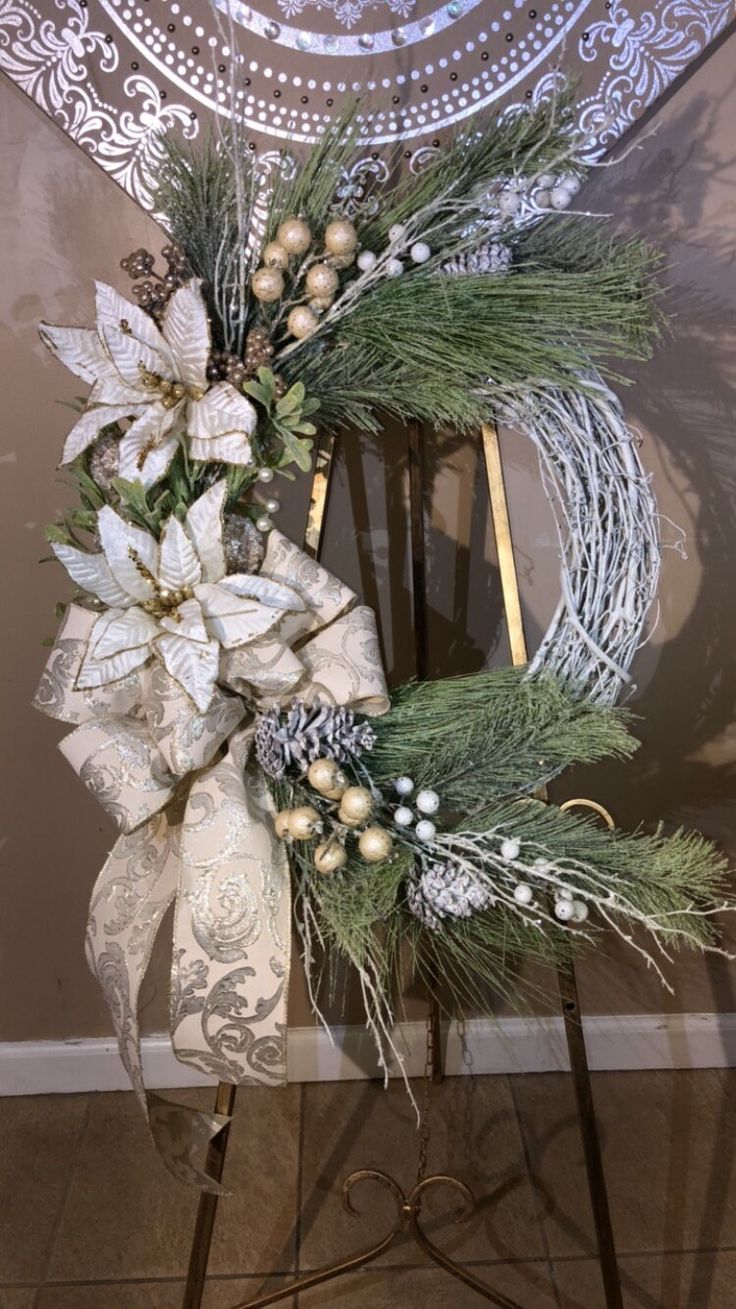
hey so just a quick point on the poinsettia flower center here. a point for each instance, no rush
(170, 392)
(164, 602)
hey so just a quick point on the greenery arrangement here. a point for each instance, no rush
(301, 297)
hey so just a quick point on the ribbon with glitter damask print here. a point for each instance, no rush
(116, 74)
(196, 818)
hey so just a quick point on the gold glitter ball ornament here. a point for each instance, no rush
(330, 857)
(301, 322)
(323, 774)
(275, 256)
(341, 237)
(322, 281)
(375, 845)
(281, 824)
(294, 236)
(304, 823)
(267, 284)
(356, 804)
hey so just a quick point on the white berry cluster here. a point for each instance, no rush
(419, 253)
(567, 909)
(426, 802)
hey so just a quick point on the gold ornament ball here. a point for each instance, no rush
(301, 321)
(341, 237)
(322, 281)
(294, 236)
(304, 823)
(356, 804)
(281, 823)
(375, 845)
(275, 256)
(267, 284)
(337, 791)
(322, 774)
(320, 304)
(330, 857)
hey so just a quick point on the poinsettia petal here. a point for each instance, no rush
(98, 672)
(78, 348)
(131, 358)
(186, 330)
(125, 629)
(89, 426)
(114, 311)
(109, 390)
(187, 622)
(193, 665)
(147, 449)
(204, 526)
(231, 449)
(129, 551)
(222, 412)
(92, 573)
(264, 589)
(179, 566)
(231, 619)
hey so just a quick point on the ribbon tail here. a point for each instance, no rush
(133, 891)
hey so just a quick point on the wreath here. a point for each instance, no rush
(226, 692)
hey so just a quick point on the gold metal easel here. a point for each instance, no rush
(408, 1206)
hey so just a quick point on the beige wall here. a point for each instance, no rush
(63, 223)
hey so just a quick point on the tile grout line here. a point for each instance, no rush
(53, 1237)
(528, 1165)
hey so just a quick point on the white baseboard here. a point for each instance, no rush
(506, 1045)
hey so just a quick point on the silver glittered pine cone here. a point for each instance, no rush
(296, 736)
(491, 257)
(446, 891)
(244, 547)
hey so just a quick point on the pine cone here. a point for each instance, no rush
(446, 891)
(296, 736)
(492, 257)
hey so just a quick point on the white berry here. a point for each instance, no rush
(265, 474)
(428, 802)
(263, 523)
(564, 910)
(571, 183)
(425, 830)
(395, 232)
(542, 198)
(509, 203)
(403, 816)
(580, 911)
(523, 893)
(403, 786)
(420, 252)
(559, 197)
(546, 180)
(273, 506)
(563, 895)
(510, 848)
(394, 268)
(367, 260)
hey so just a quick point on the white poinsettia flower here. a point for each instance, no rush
(158, 379)
(171, 598)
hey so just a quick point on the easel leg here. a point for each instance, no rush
(565, 976)
(207, 1208)
(589, 1132)
(225, 1099)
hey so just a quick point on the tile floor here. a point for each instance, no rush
(90, 1220)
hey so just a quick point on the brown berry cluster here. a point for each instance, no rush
(226, 367)
(153, 292)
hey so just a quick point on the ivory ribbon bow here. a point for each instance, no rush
(196, 819)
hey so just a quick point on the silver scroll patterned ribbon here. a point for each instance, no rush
(197, 831)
